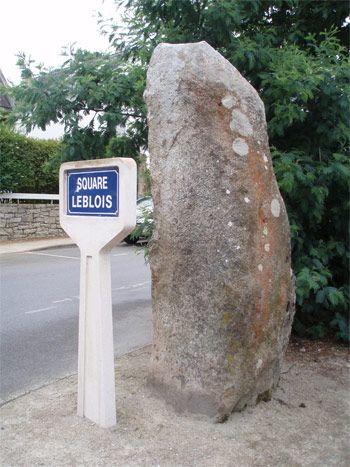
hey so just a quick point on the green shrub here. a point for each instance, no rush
(307, 99)
(28, 165)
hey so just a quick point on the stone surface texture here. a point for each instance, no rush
(223, 295)
(25, 221)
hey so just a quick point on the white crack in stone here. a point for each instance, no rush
(240, 123)
(228, 102)
(260, 267)
(275, 207)
(240, 147)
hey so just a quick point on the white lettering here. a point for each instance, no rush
(92, 183)
(91, 201)
(98, 201)
(108, 201)
(78, 185)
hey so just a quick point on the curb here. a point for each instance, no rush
(37, 244)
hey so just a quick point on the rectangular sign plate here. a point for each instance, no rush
(93, 192)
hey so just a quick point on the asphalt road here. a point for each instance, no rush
(39, 303)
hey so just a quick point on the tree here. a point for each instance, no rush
(91, 95)
(294, 52)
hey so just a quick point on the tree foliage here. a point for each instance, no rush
(91, 94)
(27, 165)
(294, 52)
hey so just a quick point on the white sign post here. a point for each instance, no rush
(97, 210)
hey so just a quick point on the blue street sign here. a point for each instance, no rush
(93, 192)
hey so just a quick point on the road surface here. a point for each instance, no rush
(39, 301)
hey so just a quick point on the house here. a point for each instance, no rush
(5, 103)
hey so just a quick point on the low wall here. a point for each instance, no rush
(25, 221)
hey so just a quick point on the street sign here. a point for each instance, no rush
(93, 192)
(97, 210)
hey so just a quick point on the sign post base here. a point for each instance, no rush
(96, 380)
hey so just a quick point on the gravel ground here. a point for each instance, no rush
(305, 424)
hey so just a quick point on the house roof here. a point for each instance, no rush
(5, 103)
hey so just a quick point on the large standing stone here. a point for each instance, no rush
(220, 257)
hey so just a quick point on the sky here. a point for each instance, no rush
(41, 28)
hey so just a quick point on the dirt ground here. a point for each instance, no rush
(305, 424)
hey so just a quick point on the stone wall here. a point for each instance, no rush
(25, 221)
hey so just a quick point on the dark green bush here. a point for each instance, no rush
(27, 165)
(306, 93)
